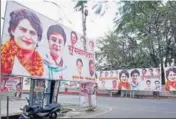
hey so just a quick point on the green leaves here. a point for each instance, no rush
(79, 5)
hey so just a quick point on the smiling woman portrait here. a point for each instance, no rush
(18, 54)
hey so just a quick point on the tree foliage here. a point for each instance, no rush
(148, 29)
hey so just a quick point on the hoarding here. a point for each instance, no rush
(170, 78)
(13, 86)
(34, 45)
(147, 79)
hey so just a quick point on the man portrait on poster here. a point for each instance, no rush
(91, 68)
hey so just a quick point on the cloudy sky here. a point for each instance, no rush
(96, 25)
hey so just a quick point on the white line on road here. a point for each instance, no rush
(109, 109)
(162, 110)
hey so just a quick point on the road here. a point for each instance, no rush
(130, 108)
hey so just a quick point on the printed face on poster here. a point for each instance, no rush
(12, 85)
(107, 80)
(170, 78)
(86, 89)
(148, 79)
(34, 45)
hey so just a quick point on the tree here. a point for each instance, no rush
(153, 23)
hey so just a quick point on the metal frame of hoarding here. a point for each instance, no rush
(0, 57)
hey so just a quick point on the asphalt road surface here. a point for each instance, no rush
(130, 108)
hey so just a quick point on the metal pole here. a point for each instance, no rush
(0, 62)
(0, 107)
(7, 107)
(58, 91)
(83, 20)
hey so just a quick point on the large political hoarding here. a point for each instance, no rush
(170, 78)
(148, 79)
(34, 45)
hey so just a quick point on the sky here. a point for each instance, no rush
(96, 26)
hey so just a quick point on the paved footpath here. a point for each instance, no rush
(113, 107)
(14, 107)
(77, 111)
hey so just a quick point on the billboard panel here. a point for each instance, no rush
(170, 78)
(148, 79)
(107, 80)
(14, 86)
(34, 45)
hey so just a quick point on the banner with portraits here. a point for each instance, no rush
(87, 94)
(38, 91)
(34, 45)
(107, 80)
(170, 78)
(13, 85)
(148, 79)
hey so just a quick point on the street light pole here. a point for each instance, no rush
(84, 16)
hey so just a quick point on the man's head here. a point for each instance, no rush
(19, 86)
(148, 82)
(124, 75)
(26, 29)
(151, 71)
(83, 39)
(74, 38)
(2, 83)
(111, 73)
(91, 44)
(79, 65)
(91, 67)
(101, 74)
(135, 74)
(157, 83)
(56, 39)
(157, 71)
(171, 74)
(144, 71)
(106, 74)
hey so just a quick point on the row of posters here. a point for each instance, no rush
(34, 45)
(147, 79)
(133, 79)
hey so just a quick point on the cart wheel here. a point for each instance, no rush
(53, 115)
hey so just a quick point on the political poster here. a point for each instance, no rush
(26, 83)
(107, 80)
(170, 78)
(13, 85)
(151, 79)
(146, 79)
(38, 91)
(87, 94)
(34, 45)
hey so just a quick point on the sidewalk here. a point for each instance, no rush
(81, 112)
(14, 107)
(74, 110)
